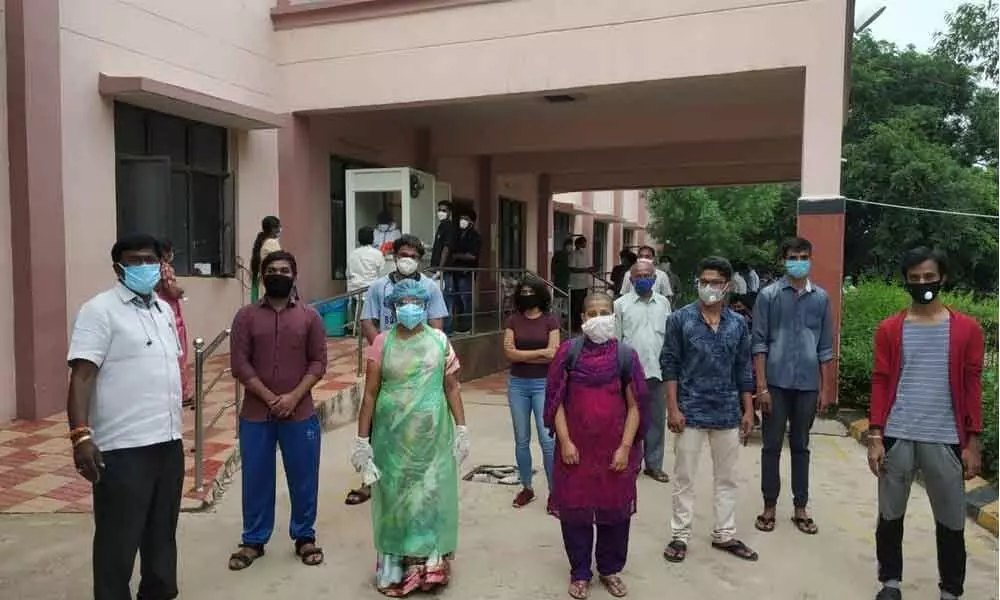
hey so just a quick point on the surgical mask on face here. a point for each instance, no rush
(442, 215)
(141, 279)
(600, 329)
(797, 268)
(710, 294)
(278, 286)
(407, 266)
(642, 285)
(464, 223)
(411, 315)
(924, 293)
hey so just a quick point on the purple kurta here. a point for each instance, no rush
(595, 408)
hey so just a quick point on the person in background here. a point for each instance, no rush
(926, 415)
(278, 353)
(666, 265)
(753, 280)
(561, 277)
(530, 340)
(739, 283)
(626, 259)
(377, 317)
(173, 294)
(364, 265)
(596, 402)
(580, 279)
(386, 231)
(706, 365)
(444, 236)
(795, 377)
(465, 255)
(662, 284)
(125, 420)
(412, 433)
(265, 243)
(641, 322)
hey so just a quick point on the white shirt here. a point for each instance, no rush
(753, 281)
(364, 266)
(739, 284)
(578, 260)
(137, 397)
(642, 324)
(386, 233)
(661, 286)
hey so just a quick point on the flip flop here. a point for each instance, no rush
(737, 549)
(675, 552)
(806, 525)
(614, 585)
(765, 524)
(358, 496)
(579, 589)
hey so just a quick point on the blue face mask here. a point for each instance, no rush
(411, 315)
(642, 285)
(797, 269)
(141, 279)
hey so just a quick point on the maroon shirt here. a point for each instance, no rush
(531, 334)
(279, 348)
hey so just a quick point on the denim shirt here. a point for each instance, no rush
(711, 368)
(795, 329)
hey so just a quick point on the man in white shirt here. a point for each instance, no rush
(124, 410)
(364, 265)
(739, 283)
(753, 281)
(641, 322)
(580, 279)
(662, 284)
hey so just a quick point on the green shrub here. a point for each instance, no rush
(871, 302)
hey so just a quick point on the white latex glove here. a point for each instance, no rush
(370, 473)
(361, 453)
(462, 445)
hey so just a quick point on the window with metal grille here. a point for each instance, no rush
(512, 228)
(174, 182)
(600, 245)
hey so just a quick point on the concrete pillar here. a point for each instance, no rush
(37, 235)
(544, 218)
(487, 211)
(294, 180)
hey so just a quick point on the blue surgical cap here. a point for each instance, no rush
(407, 288)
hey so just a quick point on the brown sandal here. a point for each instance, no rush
(245, 556)
(308, 552)
(806, 525)
(579, 589)
(764, 523)
(614, 585)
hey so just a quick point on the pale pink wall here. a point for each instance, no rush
(8, 403)
(524, 46)
(180, 42)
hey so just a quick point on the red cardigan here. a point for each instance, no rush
(965, 366)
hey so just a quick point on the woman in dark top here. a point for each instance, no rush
(530, 341)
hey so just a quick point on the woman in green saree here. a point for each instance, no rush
(411, 440)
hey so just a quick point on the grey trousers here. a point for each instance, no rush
(656, 434)
(943, 476)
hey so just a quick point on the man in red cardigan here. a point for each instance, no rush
(925, 415)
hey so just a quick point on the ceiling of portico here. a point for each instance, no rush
(761, 105)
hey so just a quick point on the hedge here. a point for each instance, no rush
(871, 302)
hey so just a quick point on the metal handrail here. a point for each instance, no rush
(201, 353)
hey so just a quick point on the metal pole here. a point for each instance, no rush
(357, 333)
(199, 402)
(474, 289)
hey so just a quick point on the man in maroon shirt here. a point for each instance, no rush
(278, 352)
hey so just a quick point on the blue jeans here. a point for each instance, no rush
(526, 396)
(458, 289)
(795, 409)
(300, 445)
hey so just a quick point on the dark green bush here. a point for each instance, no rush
(871, 302)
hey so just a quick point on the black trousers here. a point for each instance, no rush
(136, 503)
(576, 298)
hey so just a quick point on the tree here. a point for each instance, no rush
(971, 38)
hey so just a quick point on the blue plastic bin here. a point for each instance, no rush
(334, 317)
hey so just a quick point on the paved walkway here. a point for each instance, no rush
(36, 463)
(508, 554)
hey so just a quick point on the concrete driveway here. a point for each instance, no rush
(509, 554)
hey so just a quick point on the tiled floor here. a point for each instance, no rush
(36, 464)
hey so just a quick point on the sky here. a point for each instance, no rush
(908, 21)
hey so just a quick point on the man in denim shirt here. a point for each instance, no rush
(706, 365)
(793, 359)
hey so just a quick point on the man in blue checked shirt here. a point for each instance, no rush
(706, 366)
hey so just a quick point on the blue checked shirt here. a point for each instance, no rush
(711, 368)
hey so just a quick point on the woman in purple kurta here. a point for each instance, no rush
(598, 415)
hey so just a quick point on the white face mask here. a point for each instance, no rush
(600, 329)
(463, 223)
(442, 215)
(711, 294)
(407, 266)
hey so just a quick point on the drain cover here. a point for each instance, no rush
(495, 474)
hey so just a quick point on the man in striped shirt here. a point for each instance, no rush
(926, 415)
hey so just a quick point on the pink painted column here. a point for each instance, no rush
(37, 234)
(545, 222)
(293, 192)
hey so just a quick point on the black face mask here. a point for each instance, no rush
(278, 286)
(924, 293)
(525, 303)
